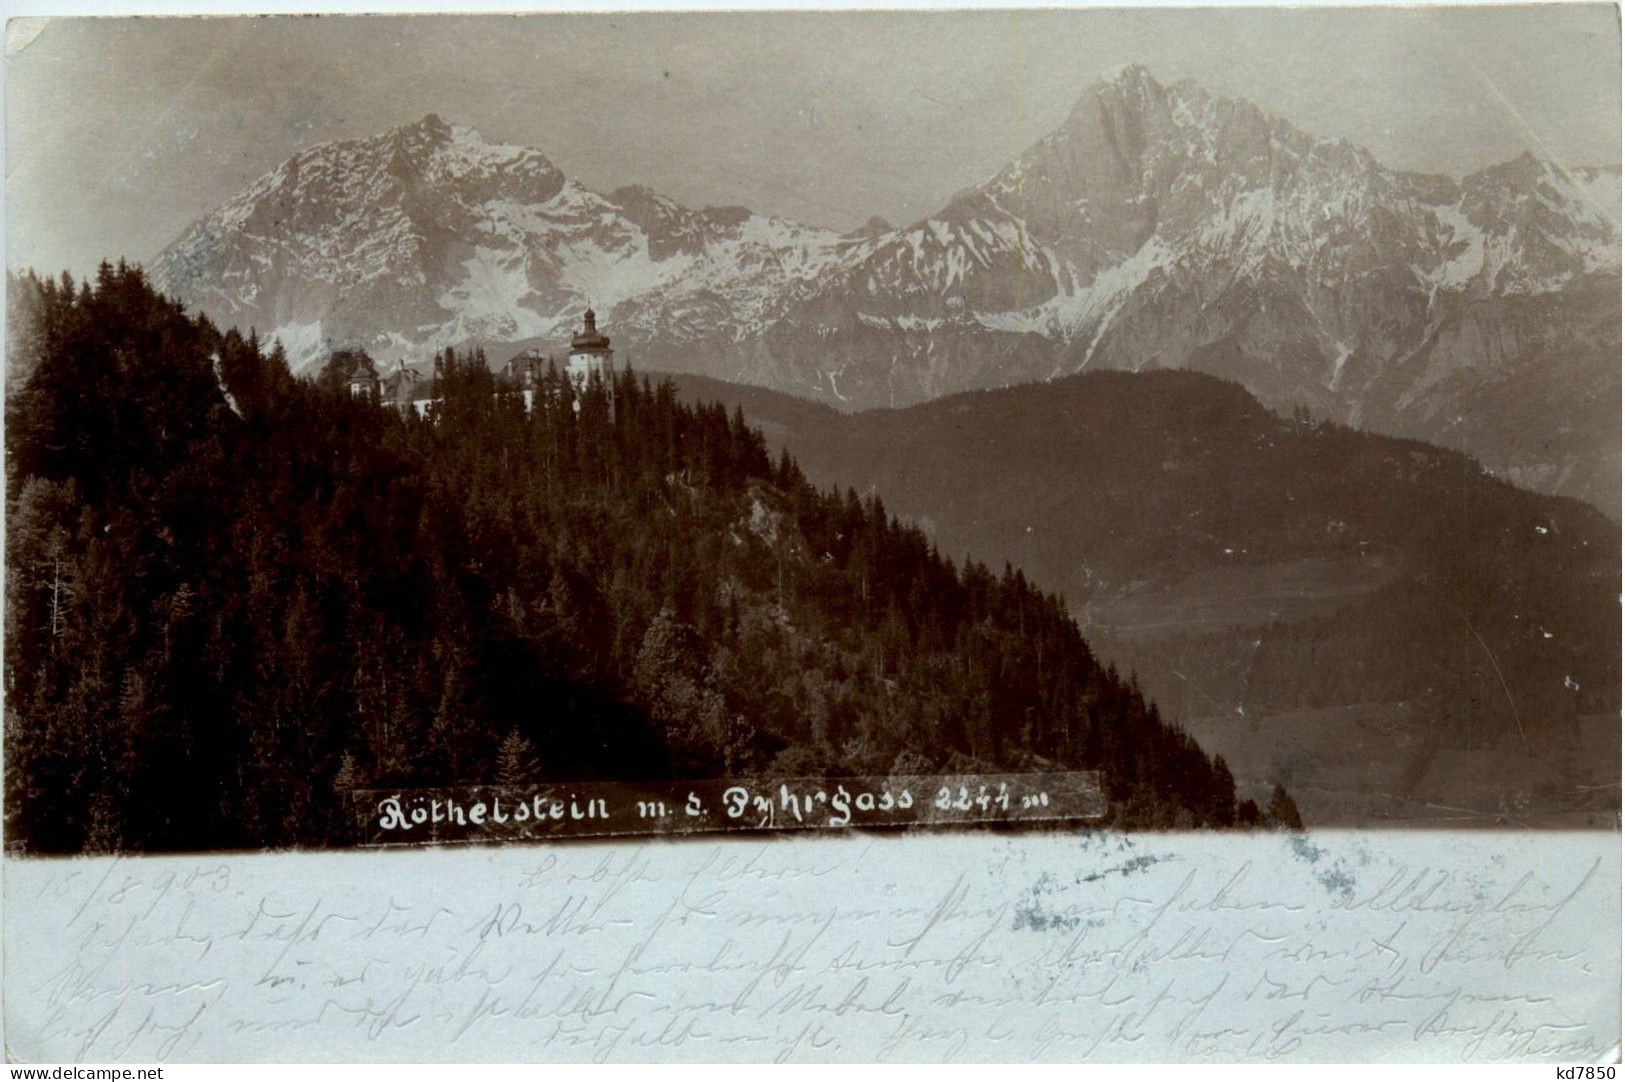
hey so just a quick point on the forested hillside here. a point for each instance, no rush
(1314, 602)
(233, 595)
(1173, 506)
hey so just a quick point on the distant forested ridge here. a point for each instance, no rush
(233, 595)
(1236, 558)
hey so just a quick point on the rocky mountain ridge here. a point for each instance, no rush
(1159, 226)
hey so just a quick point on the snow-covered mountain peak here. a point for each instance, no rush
(1158, 225)
(428, 235)
(1130, 77)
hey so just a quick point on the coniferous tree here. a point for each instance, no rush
(517, 763)
(1283, 810)
(234, 595)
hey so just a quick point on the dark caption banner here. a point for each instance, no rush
(598, 809)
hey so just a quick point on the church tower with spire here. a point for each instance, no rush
(590, 356)
(363, 377)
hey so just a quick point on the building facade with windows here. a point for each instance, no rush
(590, 356)
(407, 389)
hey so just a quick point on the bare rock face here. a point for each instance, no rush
(1157, 227)
(428, 236)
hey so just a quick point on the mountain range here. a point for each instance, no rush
(1159, 226)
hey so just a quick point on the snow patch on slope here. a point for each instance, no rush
(302, 343)
(1467, 243)
(607, 276)
(492, 294)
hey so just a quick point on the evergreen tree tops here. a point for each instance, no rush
(226, 612)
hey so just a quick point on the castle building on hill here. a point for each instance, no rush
(590, 356)
(363, 378)
(408, 390)
(525, 371)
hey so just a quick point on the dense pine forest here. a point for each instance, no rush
(233, 595)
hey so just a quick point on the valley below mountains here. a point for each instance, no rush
(1158, 226)
(1398, 636)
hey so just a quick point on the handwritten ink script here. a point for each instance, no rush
(927, 946)
(597, 809)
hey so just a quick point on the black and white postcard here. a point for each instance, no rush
(995, 535)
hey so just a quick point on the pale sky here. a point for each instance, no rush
(120, 132)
